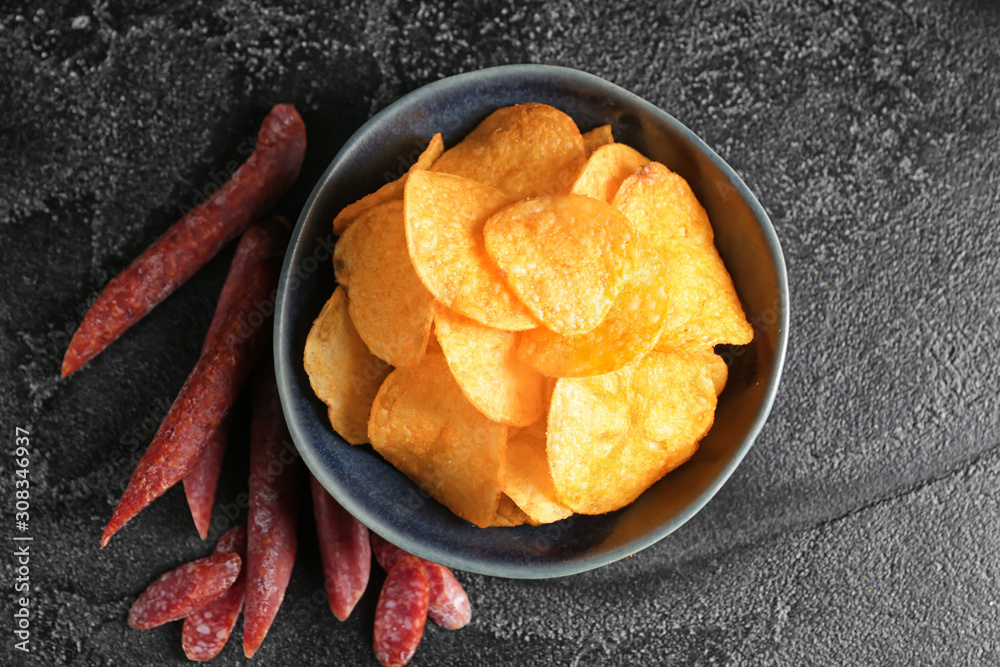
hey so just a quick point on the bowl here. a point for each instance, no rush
(383, 498)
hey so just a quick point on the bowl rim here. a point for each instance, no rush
(282, 331)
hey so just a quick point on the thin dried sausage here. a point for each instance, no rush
(201, 483)
(193, 240)
(271, 538)
(345, 549)
(213, 385)
(449, 603)
(184, 590)
(207, 630)
(401, 612)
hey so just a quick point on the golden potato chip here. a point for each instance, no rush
(606, 169)
(684, 301)
(485, 365)
(424, 426)
(718, 371)
(599, 136)
(432, 343)
(389, 191)
(528, 481)
(444, 232)
(550, 386)
(565, 257)
(525, 150)
(630, 330)
(341, 370)
(702, 307)
(391, 309)
(610, 437)
(508, 514)
(662, 206)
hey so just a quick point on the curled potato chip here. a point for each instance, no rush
(389, 191)
(525, 150)
(702, 308)
(342, 372)
(432, 343)
(444, 233)
(391, 309)
(606, 169)
(528, 481)
(717, 370)
(565, 257)
(610, 437)
(509, 514)
(630, 330)
(662, 206)
(599, 136)
(424, 426)
(485, 364)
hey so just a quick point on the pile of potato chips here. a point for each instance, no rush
(524, 323)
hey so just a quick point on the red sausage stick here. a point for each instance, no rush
(192, 241)
(184, 590)
(201, 483)
(271, 523)
(207, 630)
(401, 612)
(345, 550)
(213, 385)
(386, 553)
(449, 603)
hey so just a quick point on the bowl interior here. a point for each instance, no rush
(383, 498)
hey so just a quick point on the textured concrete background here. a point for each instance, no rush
(864, 526)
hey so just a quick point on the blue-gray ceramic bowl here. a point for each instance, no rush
(383, 498)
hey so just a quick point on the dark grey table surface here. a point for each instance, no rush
(863, 527)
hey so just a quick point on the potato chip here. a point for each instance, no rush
(599, 136)
(631, 328)
(610, 437)
(702, 307)
(432, 343)
(662, 206)
(717, 370)
(444, 232)
(565, 257)
(391, 309)
(389, 191)
(525, 150)
(485, 365)
(528, 481)
(424, 426)
(606, 169)
(342, 372)
(509, 514)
